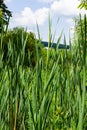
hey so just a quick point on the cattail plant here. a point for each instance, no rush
(49, 96)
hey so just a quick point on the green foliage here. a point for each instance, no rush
(15, 39)
(53, 98)
(5, 16)
(83, 4)
(81, 30)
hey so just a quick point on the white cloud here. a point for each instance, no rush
(46, 1)
(41, 15)
(29, 17)
(7, 1)
(66, 7)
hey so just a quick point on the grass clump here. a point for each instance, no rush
(52, 95)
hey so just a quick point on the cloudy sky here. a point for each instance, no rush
(27, 13)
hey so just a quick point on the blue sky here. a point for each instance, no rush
(27, 12)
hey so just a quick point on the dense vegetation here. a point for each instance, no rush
(15, 39)
(5, 15)
(43, 89)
